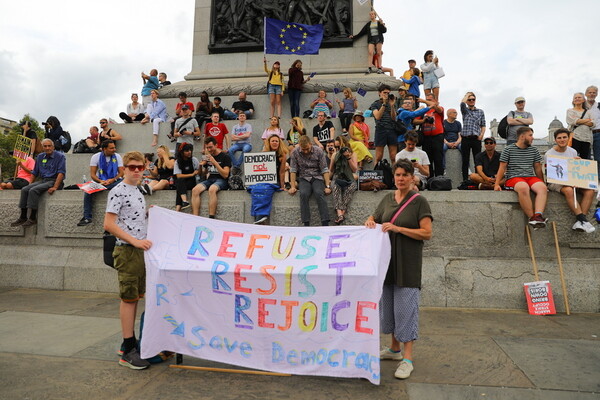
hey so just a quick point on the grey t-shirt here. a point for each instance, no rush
(129, 204)
(512, 129)
(189, 127)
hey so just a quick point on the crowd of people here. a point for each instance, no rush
(326, 163)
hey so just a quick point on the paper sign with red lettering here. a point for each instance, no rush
(91, 187)
(286, 299)
(539, 298)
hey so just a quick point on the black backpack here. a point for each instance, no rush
(235, 180)
(439, 183)
(503, 127)
(388, 176)
(58, 144)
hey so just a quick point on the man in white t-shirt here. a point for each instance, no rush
(418, 157)
(561, 148)
(106, 168)
(240, 140)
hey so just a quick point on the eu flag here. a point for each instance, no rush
(292, 38)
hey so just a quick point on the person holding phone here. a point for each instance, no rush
(418, 158)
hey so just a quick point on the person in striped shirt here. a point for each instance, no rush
(522, 165)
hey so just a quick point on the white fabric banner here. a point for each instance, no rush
(285, 299)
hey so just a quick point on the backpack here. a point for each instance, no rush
(82, 147)
(439, 183)
(503, 127)
(235, 180)
(386, 168)
(63, 143)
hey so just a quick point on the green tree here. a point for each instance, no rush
(7, 144)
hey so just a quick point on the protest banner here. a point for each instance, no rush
(91, 187)
(283, 299)
(22, 148)
(539, 298)
(576, 172)
(260, 168)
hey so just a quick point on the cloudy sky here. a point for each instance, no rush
(81, 60)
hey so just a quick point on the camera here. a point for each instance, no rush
(391, 96)
(429, 120)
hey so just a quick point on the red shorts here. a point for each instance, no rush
(529, 180)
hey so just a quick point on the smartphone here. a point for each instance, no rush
(312, 74)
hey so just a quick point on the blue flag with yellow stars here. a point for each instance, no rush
(292, 38)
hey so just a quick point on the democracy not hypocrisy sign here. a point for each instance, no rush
(284, 299)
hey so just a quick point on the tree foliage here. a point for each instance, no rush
(7, 144)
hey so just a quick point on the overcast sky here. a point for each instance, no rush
(81, 60)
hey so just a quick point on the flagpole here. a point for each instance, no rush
(264, 36)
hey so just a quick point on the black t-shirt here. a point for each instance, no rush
(30, 134)
(223, 160)
(243, 105)
(490, 167)
(323, 133)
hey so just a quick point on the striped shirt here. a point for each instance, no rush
(473, 120)
(520, 162)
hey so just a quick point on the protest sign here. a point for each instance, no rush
(284, 299)
(576, 172)
(370, 179)
(91, 187)
(260, 168)
(22, 148)
(539, 298)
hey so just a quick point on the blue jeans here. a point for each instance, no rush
(235, 147)
(88, 200)
(294, 101)
(228, 114)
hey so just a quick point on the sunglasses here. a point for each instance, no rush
(488, 142)
(470, 99)
(519, 102)
(134, 168)
(102, 122)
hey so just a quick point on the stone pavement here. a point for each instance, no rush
(62, 345)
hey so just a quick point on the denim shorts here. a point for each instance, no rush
(220, 182)
(274, 89)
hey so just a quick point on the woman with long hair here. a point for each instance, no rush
(276, 144)
(185, 169)
(296, 130)
(162, 172)
(342, 170)
(580, 123)
(431, 84)
(296, 83)
(360, 150)
(347, 105)
(275, 86)
(273, 129)
(204, 109)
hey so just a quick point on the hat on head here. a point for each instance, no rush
(403, 87)
(358, 114)
(520, 98)
(185, 107)
(493, 139)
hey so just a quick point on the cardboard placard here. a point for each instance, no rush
(539, 298)
(369, 175)
(260, 168)
(576, 172)
(22, 148)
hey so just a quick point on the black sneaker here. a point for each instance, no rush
(260, 220)
(133, 360)
(185, 205)
(148, 189)
(84, 221)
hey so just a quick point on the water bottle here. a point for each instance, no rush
(84, 179)
(597, 213)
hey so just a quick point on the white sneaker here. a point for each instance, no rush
(387, 354)
(588, 227)
(578, 226)
(404, 369)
